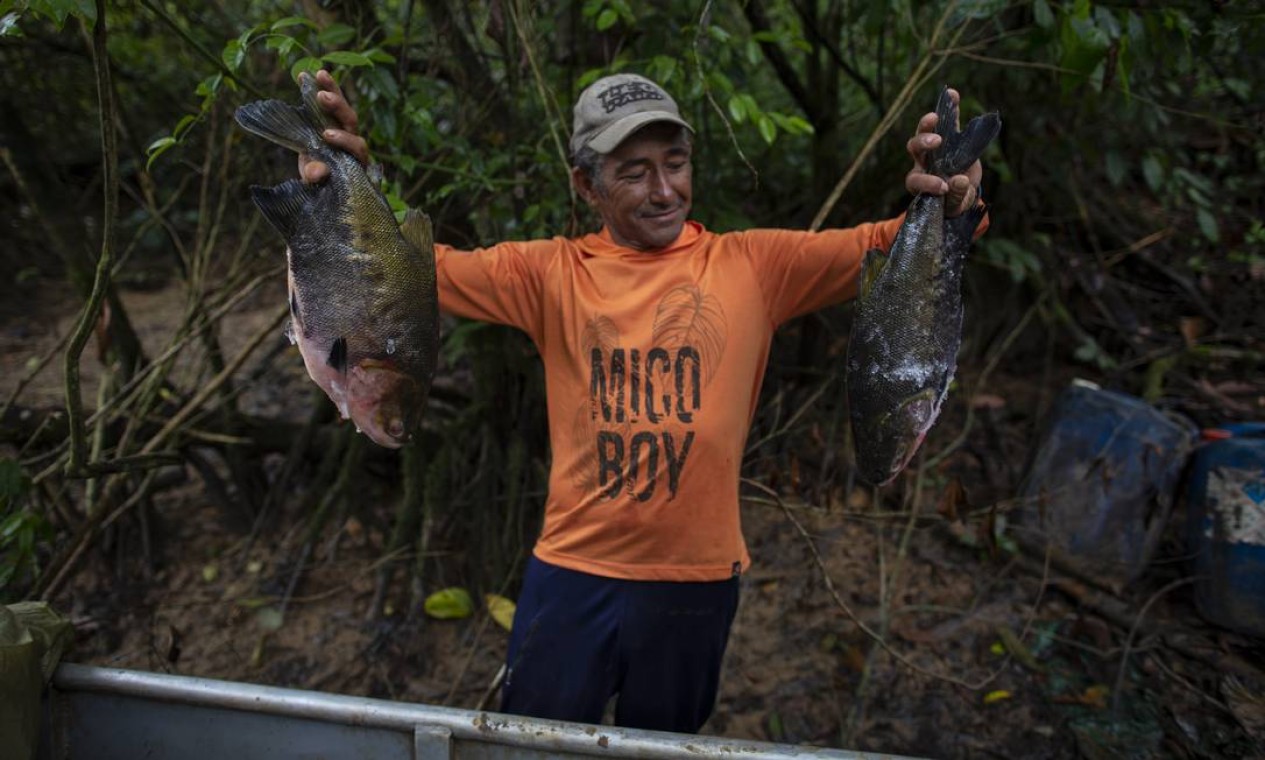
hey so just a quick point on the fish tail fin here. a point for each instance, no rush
(281, 123)
(960, 149)
(284, 204)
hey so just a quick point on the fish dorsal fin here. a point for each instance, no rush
(338, 355)
(871, 267)
(416, 229)
(284, 204)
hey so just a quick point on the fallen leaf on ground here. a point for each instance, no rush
(501, 610)
(449, 603)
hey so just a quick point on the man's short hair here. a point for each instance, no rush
(589, 161)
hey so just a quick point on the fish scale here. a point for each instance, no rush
(363, 299)
(908, 322)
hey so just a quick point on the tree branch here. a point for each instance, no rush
(91, 310)
(197, 46)
(847, 68)
(759, 20)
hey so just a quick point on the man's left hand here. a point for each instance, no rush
(960, 190)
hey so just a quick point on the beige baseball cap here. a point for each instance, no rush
(612, 108)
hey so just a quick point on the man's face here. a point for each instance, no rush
(644, 187)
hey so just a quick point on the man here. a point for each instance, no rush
(654, 334)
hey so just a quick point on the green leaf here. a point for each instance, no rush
(448, 604)
(233, 55)
(1239, 87)
(9, 25)
(768, 130)
(753, 52)
(1105, 20)
(793, 125)
(307, 64)
(1153, 172)
(59, 10)
(10, 526)
(607, 19)
(588, 78)
(737, 109)
(183, 125)
(1208, 225)
(662, 68)
(1084, 45)
(799, 125)
(13, 482)
(397, 204)
(382, 82)
(347, 58)
(336, 34)
(209, 86)
(281, 43)
(1116, 168)
(290, 21)
(1042, 14)
(157, 148)
(977, 9)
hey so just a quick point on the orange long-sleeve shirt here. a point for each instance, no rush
(653, 365)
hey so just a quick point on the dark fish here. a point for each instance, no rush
(908, 322)
(362, 287)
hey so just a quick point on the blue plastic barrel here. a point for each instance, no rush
(1226, 526)
(1100, 488)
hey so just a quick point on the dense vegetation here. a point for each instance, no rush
(1127, 242)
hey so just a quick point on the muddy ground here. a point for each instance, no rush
(983, 655)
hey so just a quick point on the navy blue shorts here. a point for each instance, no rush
(579, 639)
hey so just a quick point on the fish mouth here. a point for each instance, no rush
(392, 436)
(386, 403)
(894, 437)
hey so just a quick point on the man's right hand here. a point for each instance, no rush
(343, 136)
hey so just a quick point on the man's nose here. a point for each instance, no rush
(661, 190)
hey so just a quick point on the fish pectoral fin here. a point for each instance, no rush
(871, 267)
(926, 397)
(338, 355)
(417, 230)
(284, 204)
